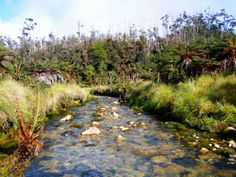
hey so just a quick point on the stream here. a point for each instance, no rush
(147, 150)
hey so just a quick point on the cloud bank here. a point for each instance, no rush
(61, 17)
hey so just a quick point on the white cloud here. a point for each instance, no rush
(62, 16)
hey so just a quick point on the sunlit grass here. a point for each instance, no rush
(35, 103)
(207, 103)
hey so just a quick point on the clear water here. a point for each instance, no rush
(147, 151)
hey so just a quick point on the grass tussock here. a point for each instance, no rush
(35, 103)
(62, 95)
(207, 103)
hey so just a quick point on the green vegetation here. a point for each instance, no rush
(24, 110)
(203, 43)
(186, 76)
(207, 103)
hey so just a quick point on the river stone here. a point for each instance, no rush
(232, 143)
(115, 115)
(66, 118)
(159, 159)
(217, 146)
(115, 102)
(103, 109)
(123, 129)
(114, 108)
(94, 124)
(114, 127)
(204, 150)
(133, 124)
(142, 124)
(120, 138)
(91, 131)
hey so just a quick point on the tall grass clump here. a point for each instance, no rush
(9, 91)
(207, 103)
(62, 95)
(152, 97)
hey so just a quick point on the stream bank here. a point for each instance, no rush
(148, 150)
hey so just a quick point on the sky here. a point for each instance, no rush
(61, 17)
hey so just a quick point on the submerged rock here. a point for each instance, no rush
(133, 124)
(115, 115)
(103, 109)
(232, 143)
(123, 129)
(142, 124)
(91, 131)
(94, 124)
(66, 118)
(159, 159)
(114, 127)
(115, 102)
(204, 150)
(120, 138)
(217, 146)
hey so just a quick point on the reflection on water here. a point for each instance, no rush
(146, 151)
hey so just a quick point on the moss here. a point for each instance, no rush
(97, 119)
(176, 125)
(75, 124)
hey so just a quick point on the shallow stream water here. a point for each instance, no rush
(150, 150)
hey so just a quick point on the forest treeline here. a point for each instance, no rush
(192, 45)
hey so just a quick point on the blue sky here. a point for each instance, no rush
(8, 9)
(61, 17)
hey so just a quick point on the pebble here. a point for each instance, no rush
(192, 143)
(66, 118)
(123, 129)
(159, 159)
(114, 127)
(102, 109)
(133, 124)
(217, 146)
(91, 131)
(120, 138)
(142, 124)
(232, 143)
(204, 150)
(115, 102)
(115, 115)
(114, 108)
(95, 123)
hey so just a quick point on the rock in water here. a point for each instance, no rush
(91, 131)
(159, 159)
(94, 124)
(123, 129)
(204, 150)
(66, 118)
(232, 143)
(120, 138)
(115, 102)
(142, 124)
(115, 115)
(114, 127)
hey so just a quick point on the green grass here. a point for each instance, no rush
(35, 103)
(207, 103)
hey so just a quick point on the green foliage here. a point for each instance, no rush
(206, 103)
(36, 102)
